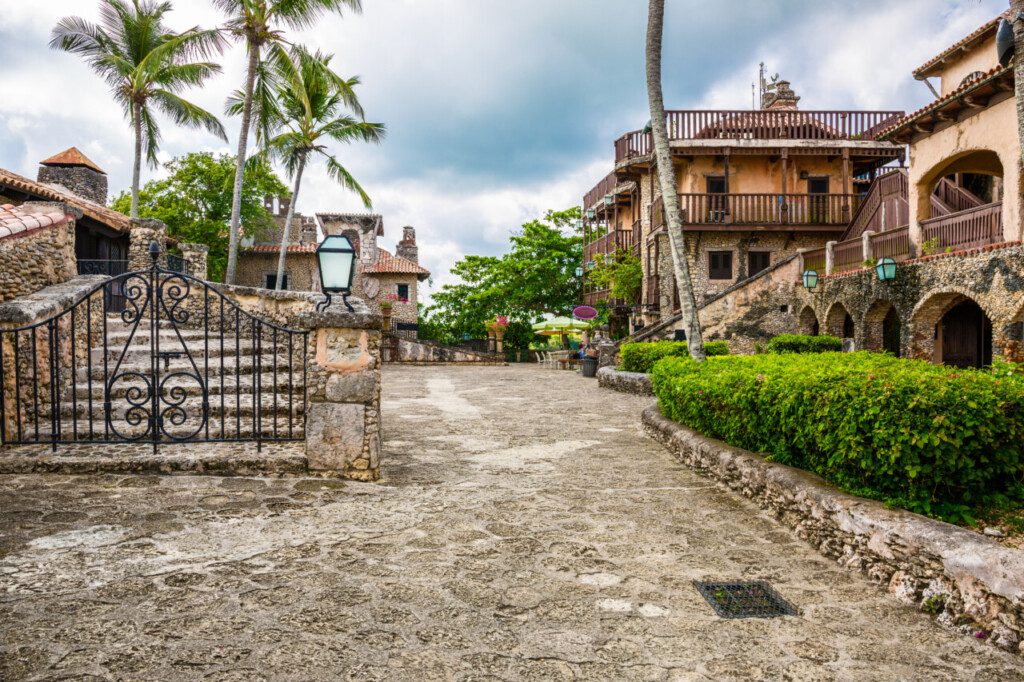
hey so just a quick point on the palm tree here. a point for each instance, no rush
(256, 22)
(308, 113)
(667, 180)
(1016, 8)
(146, 65)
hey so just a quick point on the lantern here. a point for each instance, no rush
(336, 259)
(810, 279)
(886, 270)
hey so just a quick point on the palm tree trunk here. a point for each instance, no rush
(137, 164)
(243, 139)
(667, 180)
(1018, 76)
(288, 224)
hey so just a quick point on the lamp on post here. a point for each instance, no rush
(591, 214)
(886, 270)
(337, 263)
(810, 278)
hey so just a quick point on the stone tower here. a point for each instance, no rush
(407, 247)
(74, 171)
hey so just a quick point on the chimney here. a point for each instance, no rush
(74, 171)
(308, 232)
(407, 247)
(783, 98)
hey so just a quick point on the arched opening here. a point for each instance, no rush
(960, 183)
(839, 322)
(891, 333)
(882, 328)
(965, 336)
(809, 322)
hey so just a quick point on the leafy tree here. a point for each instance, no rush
(308, 115)
(195, 201)
(146, 65)
(259, 24)
(621, 273)
(535, 278)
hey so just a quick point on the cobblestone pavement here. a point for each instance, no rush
(525, 530)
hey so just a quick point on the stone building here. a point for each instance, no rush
(951, 222)
(380, 275)
(755, 186)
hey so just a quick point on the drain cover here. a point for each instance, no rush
(754, 599)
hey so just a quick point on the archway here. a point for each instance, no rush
(967, 180)
(808, 323)
(882, 328)
(952, 329)
(839, 322)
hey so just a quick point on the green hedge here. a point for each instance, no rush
(640, 357)
(796, 343)
(934, 439)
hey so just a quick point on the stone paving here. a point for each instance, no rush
(525, 529)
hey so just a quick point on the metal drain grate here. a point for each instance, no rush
(754, 599)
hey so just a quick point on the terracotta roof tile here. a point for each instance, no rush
(15, 221)
(927, 69)
(71, 156)
(387, 263)
(98, 212)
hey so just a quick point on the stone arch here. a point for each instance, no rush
(808, 322)
(953, 328)
(839, 322)
(883, 328)
(975, 161)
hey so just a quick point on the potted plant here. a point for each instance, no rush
(496, 327)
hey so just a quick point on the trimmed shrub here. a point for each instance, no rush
(933, 439)
(797, 343)
(640, 357)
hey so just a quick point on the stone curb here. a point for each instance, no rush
(636, 383)
(971, 583)
(182, 463)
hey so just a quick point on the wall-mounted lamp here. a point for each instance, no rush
(886, 270)
(810, 278)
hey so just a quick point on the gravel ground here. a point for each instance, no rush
(525, 530)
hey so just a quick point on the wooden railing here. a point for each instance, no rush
(606, 186)
(848, 255)
(761, 125)
(955, 197)
(884, 205)
(608, 243)
(966, 229)
(893, 244)
(768, 209)
(814, 260)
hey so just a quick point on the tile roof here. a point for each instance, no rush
(964, 89)
(98, 212)
(276, 248)
(71, 156)
(388, 263)
(971, 39)
(16, 221)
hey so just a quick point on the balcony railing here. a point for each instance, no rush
(893, 244)
(848, 255)
(966, 229)
(761, 125)
(814, 260)
(601, 189)
(768, 209)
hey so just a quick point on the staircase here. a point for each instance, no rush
(254, 391)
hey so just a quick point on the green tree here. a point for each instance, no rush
(260, 24)
(194, 200)
(146, 66)
(308, 116)
(621, 273)
(536, 277)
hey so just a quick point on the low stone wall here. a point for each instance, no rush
(968, 581)
(636, 383)
(37, 258)
(426, 352)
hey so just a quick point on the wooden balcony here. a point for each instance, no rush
(603, 188)
(608, 243)
(893, 244)
(814, 260)
(761, 125)
(729, 211)
(968, 229)
(848, 255)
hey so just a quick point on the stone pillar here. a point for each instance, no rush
(196, 256)
(499, 337)
(140, 235)
(830, 257)
(865, 245)
(343, 410)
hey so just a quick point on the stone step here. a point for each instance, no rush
(244, 366)
(197, 349)
(232, 430)
(193, 407)
(244, 384)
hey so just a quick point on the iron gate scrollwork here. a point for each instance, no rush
(178, 362)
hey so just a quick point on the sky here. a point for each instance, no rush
(495, 111)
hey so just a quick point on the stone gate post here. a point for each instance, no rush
(196, 256)
(140, 235)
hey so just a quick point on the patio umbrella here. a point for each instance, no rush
(559, 326)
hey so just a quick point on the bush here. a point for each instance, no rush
(796, 343)
(933, 439)
(640, 357)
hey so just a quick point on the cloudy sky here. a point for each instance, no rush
(495, 110)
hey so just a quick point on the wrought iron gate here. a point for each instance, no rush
(180, 363)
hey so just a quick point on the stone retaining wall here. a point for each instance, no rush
(636, 383)
(967, 580)
(425, 352)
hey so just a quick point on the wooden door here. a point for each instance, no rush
(966, 336)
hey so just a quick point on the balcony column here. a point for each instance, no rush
(830, 257)
(847, 190)
(784, 208)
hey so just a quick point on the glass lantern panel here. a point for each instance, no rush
(336, 269)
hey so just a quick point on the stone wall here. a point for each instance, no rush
(81, 180)
(301, 269)
(636, 383)
(965, 579)
(428, 352)
(37, 258)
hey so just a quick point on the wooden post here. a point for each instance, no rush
(784, 217)
(847, 190)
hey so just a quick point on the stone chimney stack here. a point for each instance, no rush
(783, 98)
(74, 171)
(307, 234)
(407, 247)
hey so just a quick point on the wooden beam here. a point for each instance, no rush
(944, 115)
(924, 126)
(975, 101)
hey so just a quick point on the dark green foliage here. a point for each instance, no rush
(797, 343)
(640, 357)
(930, 438)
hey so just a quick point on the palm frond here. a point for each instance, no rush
(345, 179)
(348, 130)
(185, 113)
(150, 136)
(299, 14)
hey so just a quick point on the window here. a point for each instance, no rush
(403, 292)
(270, 281)
(719, 264)
(757, 261)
